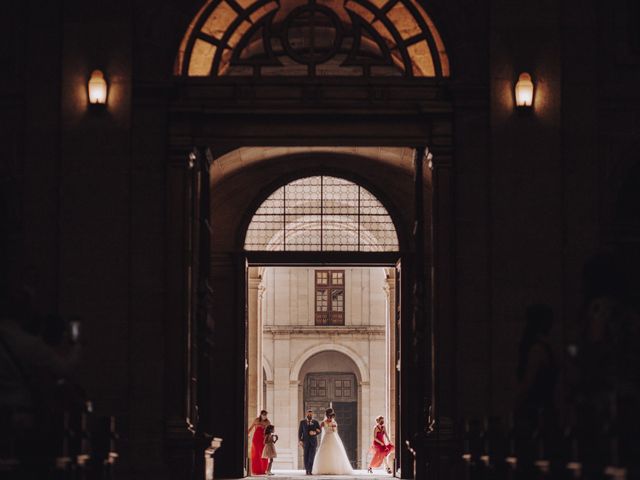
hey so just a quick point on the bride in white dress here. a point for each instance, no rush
(331, 458)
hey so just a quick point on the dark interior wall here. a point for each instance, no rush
(526, 189)
(112, 221)
(158, 31)
(467, 333)
(43, 45)
(66, 182)
(618, 157)
(11, 116)
(580, 145)
(561, 167)
(95, 214)
(526, 186)
(30, 51)
(618, 105)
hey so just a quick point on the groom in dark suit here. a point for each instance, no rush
(308, 437)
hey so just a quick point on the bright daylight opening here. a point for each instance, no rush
(321, 337)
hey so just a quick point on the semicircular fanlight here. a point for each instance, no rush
(321, 213)
(312, 37)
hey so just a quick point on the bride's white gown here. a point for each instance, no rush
(331, 458)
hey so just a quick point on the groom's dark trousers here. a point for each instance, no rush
(309, 442)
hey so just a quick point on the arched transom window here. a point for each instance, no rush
(322, 214)
(312, 37)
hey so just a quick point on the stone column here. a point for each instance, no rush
(365, 416)
(282, 400)
(417, 377)
(269, 404)
(262, 401)
(444, 395)
(295, 390)
(178, 439)
(254, 347)
(390, 291)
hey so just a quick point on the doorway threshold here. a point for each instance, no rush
(298, 474)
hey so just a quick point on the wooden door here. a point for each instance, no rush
(347, 418)
(198, 312)
(198, 235)
(340, 391)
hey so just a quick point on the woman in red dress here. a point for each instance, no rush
(258, 464)
(380, 449)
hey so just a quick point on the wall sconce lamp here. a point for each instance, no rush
(97, 88)
(524, 92)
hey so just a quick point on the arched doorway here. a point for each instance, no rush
(226, 280)
(273, 124)
(332, 327)
(330, 379)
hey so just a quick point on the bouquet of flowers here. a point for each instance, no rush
(334, 426)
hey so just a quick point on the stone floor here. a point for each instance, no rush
(298, 474)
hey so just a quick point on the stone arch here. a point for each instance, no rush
(385, 172)
(238, 159)
(362, 371)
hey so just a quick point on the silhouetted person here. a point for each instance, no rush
(536, 372)
(605, 389)
(607, 353)
(32, 374)
(16, 396)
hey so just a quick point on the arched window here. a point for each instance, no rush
(312, 37)
(322, 213)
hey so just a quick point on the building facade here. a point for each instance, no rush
(309, 364)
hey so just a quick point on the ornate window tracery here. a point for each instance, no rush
(321, 214)
(312, 38)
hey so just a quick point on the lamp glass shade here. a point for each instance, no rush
(97, 88)
(524, 91)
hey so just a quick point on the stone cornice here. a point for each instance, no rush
(316, 330)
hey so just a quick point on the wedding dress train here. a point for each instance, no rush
(331, 458)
